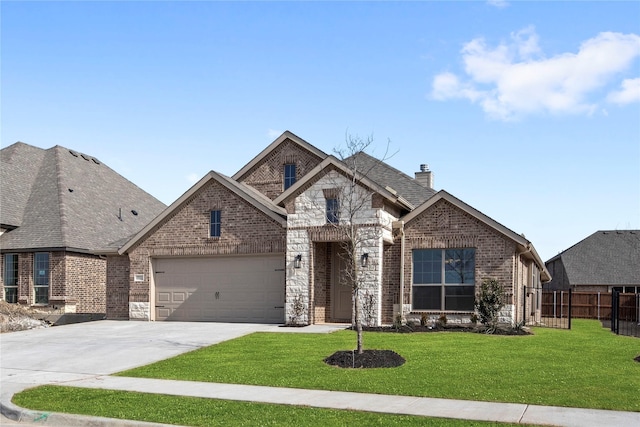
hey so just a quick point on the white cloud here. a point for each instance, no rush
(515, 79)
(500, 4)
(273, 134)
(629, 92)
(192, 178)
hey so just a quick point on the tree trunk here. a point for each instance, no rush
(358, 322)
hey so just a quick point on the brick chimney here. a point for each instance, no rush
(425, 176)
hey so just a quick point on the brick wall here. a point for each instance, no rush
(117, 287)
(244, 230)
(268, 175)
(390, 281)
(321, 282)
(76, 281)
(86, 282)
(25, 278)
(445, 226)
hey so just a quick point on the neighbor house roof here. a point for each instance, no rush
(607, 257)
(61, 199)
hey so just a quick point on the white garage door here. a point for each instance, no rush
(221, 289)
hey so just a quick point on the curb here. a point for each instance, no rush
(31, 417)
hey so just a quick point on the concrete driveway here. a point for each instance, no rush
(83, 350)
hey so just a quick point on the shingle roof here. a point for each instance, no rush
(604, 258)
(388, 176)
(59, 198)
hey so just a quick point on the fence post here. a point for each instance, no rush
(615, 306)
(569, 310)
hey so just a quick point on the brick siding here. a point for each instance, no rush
(244, 230)
(445, 226)
(268, 175)
(75, 280)
(117, 287)
(321, 282)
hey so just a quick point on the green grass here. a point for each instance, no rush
(585, 367)
(210, 412)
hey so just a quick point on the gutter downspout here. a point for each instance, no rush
(527, 249)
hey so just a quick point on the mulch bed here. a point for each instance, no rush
(478, 329)
(368, 359)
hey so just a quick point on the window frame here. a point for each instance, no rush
(11, 280)
(437, 285)
(215, 223)
(332, 210)
(289, 175)
(38, 279)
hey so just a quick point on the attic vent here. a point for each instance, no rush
(96, 161)
(84, 156)
(135, 212)
(73, 153)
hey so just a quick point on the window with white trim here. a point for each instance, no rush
(443, 279)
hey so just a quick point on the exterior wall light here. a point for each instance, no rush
(297, 261)
(364, 259)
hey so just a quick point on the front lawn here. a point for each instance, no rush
(585, 367)
(211, 412)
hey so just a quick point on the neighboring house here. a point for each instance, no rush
(604, 261)
(58, 207)
(264, 246)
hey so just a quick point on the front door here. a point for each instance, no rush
(341, 290)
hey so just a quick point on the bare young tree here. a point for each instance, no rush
(347, 212)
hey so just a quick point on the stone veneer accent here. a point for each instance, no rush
(306, 224)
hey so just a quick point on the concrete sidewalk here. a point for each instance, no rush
(406, 405)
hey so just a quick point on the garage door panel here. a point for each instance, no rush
(224, 289)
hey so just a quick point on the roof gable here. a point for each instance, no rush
(248, 194)
(287, 135)
(607, 257)
(525, 245)
(332, 163)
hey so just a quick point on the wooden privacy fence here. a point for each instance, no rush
(586, 305)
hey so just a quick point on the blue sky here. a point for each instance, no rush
(528, 111)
